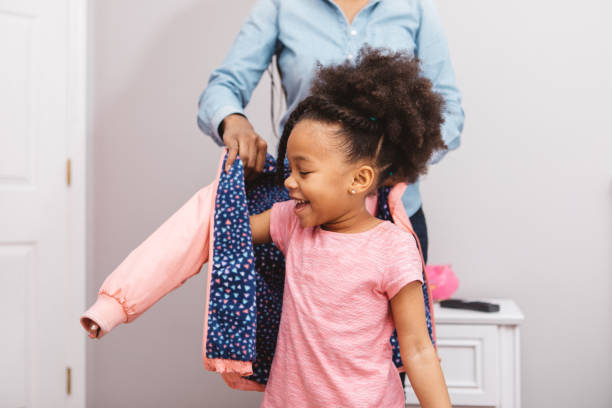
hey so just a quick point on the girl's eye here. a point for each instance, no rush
(303, 173)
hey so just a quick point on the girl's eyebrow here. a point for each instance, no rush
(300, 159)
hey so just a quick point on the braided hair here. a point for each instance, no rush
(386, 109)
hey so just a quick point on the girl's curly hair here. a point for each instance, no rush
(387, 110)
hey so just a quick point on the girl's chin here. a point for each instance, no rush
(306, 222)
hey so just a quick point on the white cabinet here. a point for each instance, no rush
(480, 356)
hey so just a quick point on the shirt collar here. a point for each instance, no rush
(371, 3)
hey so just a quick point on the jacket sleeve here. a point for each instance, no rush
(432, 50)
(164, 261)
(231, 85)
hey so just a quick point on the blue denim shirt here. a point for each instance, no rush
(303, 33)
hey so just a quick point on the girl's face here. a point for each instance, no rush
(321, 178)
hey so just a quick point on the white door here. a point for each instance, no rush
(35, 292)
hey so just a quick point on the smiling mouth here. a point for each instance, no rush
(301, 204)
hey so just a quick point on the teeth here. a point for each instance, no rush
(301, 201)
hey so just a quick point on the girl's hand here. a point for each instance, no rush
(240, 137)
(92, 327)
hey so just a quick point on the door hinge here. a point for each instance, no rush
(68, 172)
(68, 380)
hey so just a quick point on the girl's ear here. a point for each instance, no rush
(363, 178)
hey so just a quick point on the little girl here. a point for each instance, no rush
(351, 278)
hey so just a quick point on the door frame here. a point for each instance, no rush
(78, 151)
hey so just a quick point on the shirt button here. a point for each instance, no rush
(353, 32)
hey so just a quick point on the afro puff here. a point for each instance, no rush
(386, 108)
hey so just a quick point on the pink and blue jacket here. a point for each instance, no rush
(244, 282)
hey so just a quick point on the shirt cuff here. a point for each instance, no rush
(275, 233)
(218, 117)
(395, 287)
(106, 313)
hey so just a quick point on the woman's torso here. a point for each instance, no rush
(318, 32)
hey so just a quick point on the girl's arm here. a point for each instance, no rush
(260, 227)
(418, 354)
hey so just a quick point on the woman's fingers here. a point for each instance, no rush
(262, 149)
(252, 159)
(233, 151)
(241, 139)
(247, 153)
(259, 155)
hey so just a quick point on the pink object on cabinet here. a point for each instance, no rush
(442, 281)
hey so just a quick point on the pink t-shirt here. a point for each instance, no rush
(333, 345)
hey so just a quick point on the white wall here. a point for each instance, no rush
(151, 60)
(523, 209)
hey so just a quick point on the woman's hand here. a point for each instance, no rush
(240, 137)
(92, 327)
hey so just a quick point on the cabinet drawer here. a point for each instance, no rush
(470, 364)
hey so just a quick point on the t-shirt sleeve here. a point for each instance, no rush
(404, 264)
(283, 223)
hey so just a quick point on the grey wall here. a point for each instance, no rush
(522, 210)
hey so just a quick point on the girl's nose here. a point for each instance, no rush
(290, 183)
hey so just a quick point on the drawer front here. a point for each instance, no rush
(470, 356)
